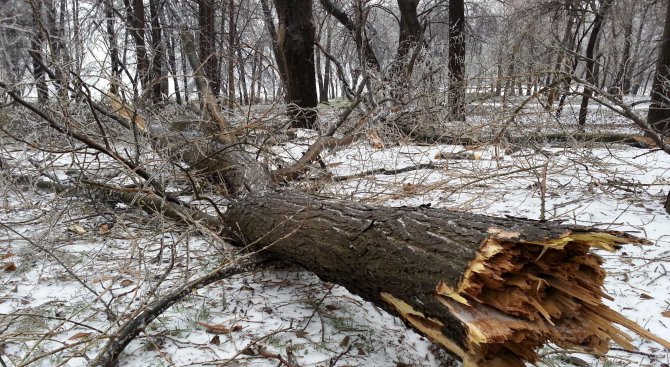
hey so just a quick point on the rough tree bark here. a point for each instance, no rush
(207, 42)
(232, 34)
(295, 37)
(659, 111)
(410, 27)
(490, 290)
(158, 83)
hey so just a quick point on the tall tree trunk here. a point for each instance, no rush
(591, 62)
(635, 85)
(571, 63)
(116, 66)
(242, 72)
(296, 41)
(60, 58)
(76, 36)
(207, 42)
(270, 25)
(327, 68)
(232, 32)
(37, 54)
(172, 64)
(622, 80)
(659, 110)
(136, 27)
(410, 27)
(409, 36)
(185, 72)
(157, 80)
(456, 97)
(319, 77)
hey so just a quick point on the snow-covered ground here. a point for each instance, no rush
(84, 266)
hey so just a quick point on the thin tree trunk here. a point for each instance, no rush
(185, 72)
(327, 69)
(319, 77)
(172, 63)
(622, 80)
(270, 25)
(241, 70)
(113, 48)
(456, 97)
(36, 50)
(362, 43)
(591, 75)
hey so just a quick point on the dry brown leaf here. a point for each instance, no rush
(248, 351)
(104, 228)
(81, 335)
(214, 328)
(301, 334)
(9, 267)
(345, 341)
(237, 328)
(126, 282)
(645, 296)
(76, 228)
(6, 256)
(215, 340)
(103, 278)
(665, 313)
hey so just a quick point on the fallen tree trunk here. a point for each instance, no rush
(490, 290)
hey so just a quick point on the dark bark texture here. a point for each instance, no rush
(490, 290)
(296, 41)
(158, 83)
(410, 27)
(136, 28)
(207, 42)
(659, 111)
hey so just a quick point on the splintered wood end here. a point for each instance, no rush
(517, 295)
(556, 285)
